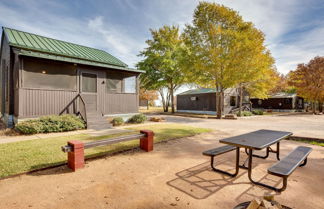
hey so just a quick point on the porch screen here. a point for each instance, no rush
(130, 84)
(42, 74)
(114, 82)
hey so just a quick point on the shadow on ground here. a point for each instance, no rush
(200, 182)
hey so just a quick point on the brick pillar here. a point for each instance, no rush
(146, 143)
(76, 156)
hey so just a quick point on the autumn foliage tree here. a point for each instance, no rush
(149, 95)
(224, 50)
(309, 80)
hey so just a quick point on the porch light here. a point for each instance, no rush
(44, 71)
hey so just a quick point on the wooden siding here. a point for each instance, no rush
(203, 102)
(38, 102)
(120, 103)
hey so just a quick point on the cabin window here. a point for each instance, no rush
(287, 101)
(130, 84)
(259, 102)
(114, 82)
(233, 100)
(89, 82)
(48, 75)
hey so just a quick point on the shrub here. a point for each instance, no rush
(139, 118)
(257, 112)
(29, 127)
(117, 121)
(51, 123)
(246, 113)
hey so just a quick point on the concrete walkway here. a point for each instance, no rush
(89, 132)
(303, 125)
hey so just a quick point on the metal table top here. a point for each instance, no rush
(256, 140)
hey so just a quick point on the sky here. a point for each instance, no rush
(294, 29)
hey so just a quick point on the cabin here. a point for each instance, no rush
(281, 102)
(203, 101)
(44, 76)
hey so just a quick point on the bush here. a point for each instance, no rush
(257, 112)
(139, 118)
(51, 123)
(29, 127)
(246, 113)
(117, 121)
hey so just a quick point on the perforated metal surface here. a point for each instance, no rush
(257, 139)
(288, 164)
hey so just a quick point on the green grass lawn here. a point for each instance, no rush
(19, 157)
(309, 141)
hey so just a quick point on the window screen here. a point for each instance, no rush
(130, 84)
(89, 82)
(114, 82)
(48, 74)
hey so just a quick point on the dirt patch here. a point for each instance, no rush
(174, 175)
(7, 131)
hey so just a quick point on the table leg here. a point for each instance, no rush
(236, 165)
(259, 183)
(268, 150)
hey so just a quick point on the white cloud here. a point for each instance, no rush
(100, 29)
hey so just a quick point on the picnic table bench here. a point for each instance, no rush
(258, 140)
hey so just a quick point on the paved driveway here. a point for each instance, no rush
(300, 125)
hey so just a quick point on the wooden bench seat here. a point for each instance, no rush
(219, 150)
(285, 167)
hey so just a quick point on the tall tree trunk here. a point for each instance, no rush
(241, 100)
(219, 104)
(320, 106)
(172, 98)
(163, 100)
(314, 107)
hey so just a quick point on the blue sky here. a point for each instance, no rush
(294, 28)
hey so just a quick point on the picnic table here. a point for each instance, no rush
(260, 140)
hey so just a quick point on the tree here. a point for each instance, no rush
(224, 50)
(309, 81)
(149, 95)
(162, 64)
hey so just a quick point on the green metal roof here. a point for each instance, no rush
(199, 91)
(48, 48)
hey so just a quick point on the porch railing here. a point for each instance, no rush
(77, 109)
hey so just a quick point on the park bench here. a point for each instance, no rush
(287, 165)
(212, 153)
(75, 148)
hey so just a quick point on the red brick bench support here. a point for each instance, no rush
(75, 148)
(146, 142)
(76, 156)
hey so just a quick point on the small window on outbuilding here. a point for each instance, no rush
(259, 102)
(233, 100)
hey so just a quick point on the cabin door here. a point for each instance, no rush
(89, 89)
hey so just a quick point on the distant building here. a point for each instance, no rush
(203, 101)
(281, 101)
